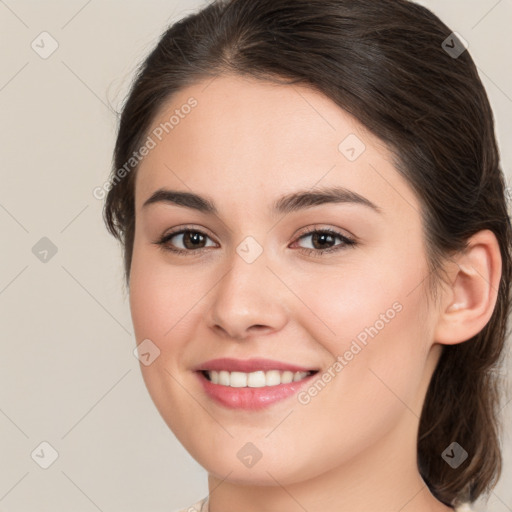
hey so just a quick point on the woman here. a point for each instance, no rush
(317, 248)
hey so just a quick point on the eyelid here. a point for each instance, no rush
(325, 227)
(188, 227)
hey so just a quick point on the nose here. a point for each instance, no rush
(248, 300)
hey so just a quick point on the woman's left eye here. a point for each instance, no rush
(193, 241)
(321, 237)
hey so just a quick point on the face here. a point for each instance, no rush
(251, 282)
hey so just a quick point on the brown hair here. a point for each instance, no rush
(384, 62)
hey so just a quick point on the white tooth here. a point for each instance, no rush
(224, 378)
(286, 377)
(256, 379)
(299, 376)
(238, 380)
(273, 377)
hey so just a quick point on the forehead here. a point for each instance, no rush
(250, 137)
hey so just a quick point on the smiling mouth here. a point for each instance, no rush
(257, 379)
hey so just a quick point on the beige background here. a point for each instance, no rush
(67, 372)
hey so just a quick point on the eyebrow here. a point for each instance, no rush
(295, 201)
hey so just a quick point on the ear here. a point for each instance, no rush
(470, 296)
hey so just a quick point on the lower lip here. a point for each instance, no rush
(250, 398)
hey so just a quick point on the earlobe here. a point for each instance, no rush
(470, 298)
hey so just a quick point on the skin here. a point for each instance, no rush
(353, 446)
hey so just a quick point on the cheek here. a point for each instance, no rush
(376, 325)
(148, 305)
(161, 307)
(342, 303)
(161, 297)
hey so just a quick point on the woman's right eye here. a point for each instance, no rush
(190, 240)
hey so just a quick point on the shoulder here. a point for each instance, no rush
(200, 506)
(464, 507)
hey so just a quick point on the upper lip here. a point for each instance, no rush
(249, 365)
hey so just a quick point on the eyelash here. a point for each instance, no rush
(347, 242)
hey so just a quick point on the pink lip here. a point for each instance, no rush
(250, 398)
(249, 365)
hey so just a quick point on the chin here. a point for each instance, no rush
(276, 468)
